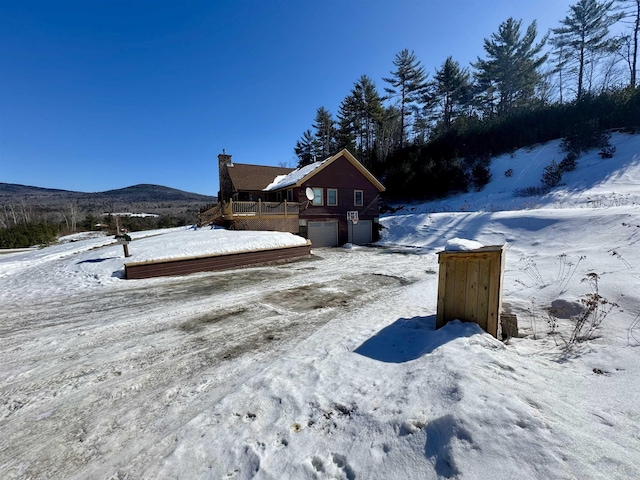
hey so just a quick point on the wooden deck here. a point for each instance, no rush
(212, 263)
(232, 211)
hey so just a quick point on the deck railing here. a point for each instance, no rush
(232, 210)
(261, 209)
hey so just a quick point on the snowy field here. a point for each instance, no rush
(330, 368)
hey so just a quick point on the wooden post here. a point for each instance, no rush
(285, 209)
(126, 250)
(259, 209)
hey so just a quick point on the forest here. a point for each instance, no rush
(427, 136)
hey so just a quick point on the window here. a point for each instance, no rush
(358, 198)
(279, 196)
(317, 196)
(290, 195)
(332, 197)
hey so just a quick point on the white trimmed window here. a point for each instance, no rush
(332, 197)
(358, 198)
(318, 193)
(290, 195)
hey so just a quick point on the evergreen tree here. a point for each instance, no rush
(408, 85)
(583, 36)
(509, 75)
(359, 117)
(370, 112)
(325, 133)
(347, 124)
(306, 149)
(451, 91)
(389, 134)
(630, 10)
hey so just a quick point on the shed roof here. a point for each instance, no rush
(247, 177)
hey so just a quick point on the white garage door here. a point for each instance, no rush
(360, 233)
(323, 234)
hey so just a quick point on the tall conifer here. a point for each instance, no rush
(408, 84)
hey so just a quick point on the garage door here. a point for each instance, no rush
(360, 233)
(323, 234)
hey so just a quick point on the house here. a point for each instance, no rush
(313, 201)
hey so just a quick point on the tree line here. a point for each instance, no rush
(25, 225)
(526, 88)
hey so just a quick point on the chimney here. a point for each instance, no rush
(226, 186)
(224, 158)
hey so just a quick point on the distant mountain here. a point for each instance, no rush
(53, 204)
(11, 193)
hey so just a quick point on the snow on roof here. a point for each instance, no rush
(462, 245)
(276, 181)
(294, 177)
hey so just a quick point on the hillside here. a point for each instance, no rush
(52, 204)
(12, 194)
(596, 182)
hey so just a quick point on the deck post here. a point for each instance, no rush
(259, 208)
(285, 209)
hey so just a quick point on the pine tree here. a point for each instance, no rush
(359, 116)
(509, 75)
(451, 91)
(408, 85)
(347, 124)
(583, 35)
(369, 109)
(306, 149)
(630, 11)
(325, 133)
(389, 133)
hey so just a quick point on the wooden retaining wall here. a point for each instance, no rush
(212, 263)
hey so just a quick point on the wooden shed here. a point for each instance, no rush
(470, 287)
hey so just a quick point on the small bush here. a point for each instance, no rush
(530, 191)
(607, 151)
(596, 309)
(481, 175)
(508, 173)
(552, 175)
(585, 137)
(569, 162)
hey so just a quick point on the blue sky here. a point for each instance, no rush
(97, 95)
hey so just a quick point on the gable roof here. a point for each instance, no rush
(300, 175)
(247, 177)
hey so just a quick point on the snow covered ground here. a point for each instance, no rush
(332, 367)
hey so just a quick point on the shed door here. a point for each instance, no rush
(323, 234)
(360, 233)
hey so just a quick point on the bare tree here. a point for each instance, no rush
(26, 211)
(73, 214)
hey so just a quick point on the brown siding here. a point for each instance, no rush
(210, 263)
